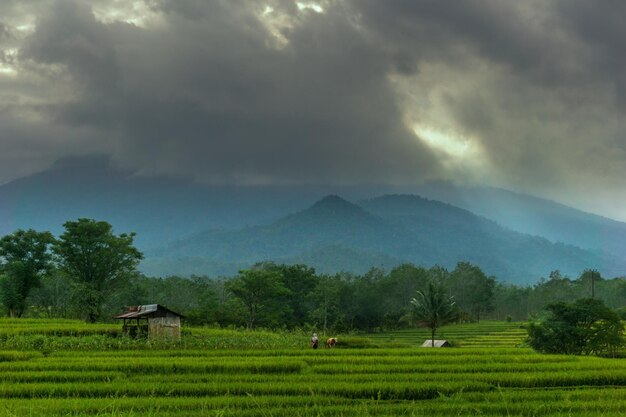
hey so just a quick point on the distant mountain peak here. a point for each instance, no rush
(334, 204)
(331, 208)
(332, 200)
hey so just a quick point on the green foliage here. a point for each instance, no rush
(588, 281)
(473, 289)
(261, 292)
(433, 308)
(364, 300)
(586, 326)
(24, 260)
(53, 299)
(375, 301)
(97, 260)
(396, 290)
(300, 280)
(325, 298)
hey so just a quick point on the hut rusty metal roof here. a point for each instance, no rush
(135, 312)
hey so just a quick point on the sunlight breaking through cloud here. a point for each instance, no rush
(460, 155)
(310, 6)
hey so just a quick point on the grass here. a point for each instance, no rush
(237, 373)
(483, 334)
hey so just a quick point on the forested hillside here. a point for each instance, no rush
(381, 232)
(535, 216)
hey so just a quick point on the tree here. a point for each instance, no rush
(53, 297)
(300, 280)
(474, 291)
(325, 297)
(97, 260)
(397, 290)
(433, 308)
(368, 309)
(586, 326)
(557, 288)
(24, 259)
(588, 281)
(260, 292)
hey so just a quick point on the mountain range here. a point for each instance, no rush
(188, 228)
(334, 234)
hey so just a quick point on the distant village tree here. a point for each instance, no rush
(433, 308)
(97, 260)
(300, 280)
(588, 280)
(326, 298)
(474, 291)
(24, 259)
(261, 292)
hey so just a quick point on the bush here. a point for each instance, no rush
(585, 327)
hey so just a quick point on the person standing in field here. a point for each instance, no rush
(315, 341)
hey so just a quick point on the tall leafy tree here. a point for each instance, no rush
(261, 292)
(474, 290)
(24, 259)
(326, 301)
(366, 294)
(300, 280)
(53, 298)
(398, 288)
(434, 308)
(97, 260)
(588, 282)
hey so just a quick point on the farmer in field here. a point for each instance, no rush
(331, 342)
(315, 341)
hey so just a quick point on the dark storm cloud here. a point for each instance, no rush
(539, 84)
(70, 35)
(228, 91)
(503, 32)
(5, 32)
(600, 27)
(207, 94)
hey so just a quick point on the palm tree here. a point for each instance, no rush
(433, 308)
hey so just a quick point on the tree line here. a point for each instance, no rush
(89, 272)
(91, 260)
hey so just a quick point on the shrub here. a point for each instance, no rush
(585, 327)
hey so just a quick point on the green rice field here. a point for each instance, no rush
(483, 334)
(236, 373)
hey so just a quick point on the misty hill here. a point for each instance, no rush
(158, 209)
(165, 210)
(332, 231)
(533, 215)
(384, 232)
(462, 235)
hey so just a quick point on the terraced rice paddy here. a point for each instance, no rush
(484, 334)
(274, 381)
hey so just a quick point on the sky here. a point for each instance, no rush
(524, 95)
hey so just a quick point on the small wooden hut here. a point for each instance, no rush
(438, 343)
(152, 321)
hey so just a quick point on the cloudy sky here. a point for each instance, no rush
(526, 95)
